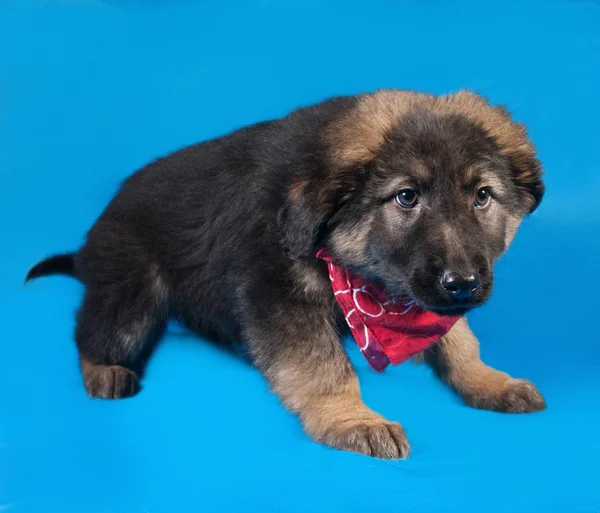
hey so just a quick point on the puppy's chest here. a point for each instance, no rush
(315, 284)
(312, 279)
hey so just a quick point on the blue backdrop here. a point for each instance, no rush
(90, 90)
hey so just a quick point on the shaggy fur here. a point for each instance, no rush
(224, 234)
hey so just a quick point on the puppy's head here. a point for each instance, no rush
(422, 194)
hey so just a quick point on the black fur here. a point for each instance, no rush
(57, 264)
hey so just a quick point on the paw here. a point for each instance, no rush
(518, 396)
(378, 438)
(110, 381)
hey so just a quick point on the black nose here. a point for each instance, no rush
(460, 286)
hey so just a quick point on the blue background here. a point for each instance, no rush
(91, 90)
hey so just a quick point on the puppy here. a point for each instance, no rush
(417, 193)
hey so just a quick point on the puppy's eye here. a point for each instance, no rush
(407, 198)
(483, 197)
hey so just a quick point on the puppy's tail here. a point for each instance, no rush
(57, 264)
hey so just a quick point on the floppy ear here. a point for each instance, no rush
(300, 226)
(527, 175)
(518, 148)
(309, 205)
(526, 168)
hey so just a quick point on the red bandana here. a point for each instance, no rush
(387, 329)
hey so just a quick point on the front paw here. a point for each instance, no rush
(516, 396)
(378, 438)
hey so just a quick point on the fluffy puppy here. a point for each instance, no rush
(408, 189)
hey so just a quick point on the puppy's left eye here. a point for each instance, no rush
(483, 197)
(407, 198)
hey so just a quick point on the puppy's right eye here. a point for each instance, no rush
(483, 197)
(407, 198)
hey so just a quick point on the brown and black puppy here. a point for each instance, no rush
(408, 189)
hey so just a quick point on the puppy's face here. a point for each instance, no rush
(434, 202)
(438, 206)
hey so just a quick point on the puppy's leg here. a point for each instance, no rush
(117, 327)
(301, 355)
(456, 359)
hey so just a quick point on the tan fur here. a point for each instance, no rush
(456, 358)
(352, 241)
(512, 224)
(488, 180)
(310, 279)
(357, 137)
(511, 136)
(321, 386)
(296, 190)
